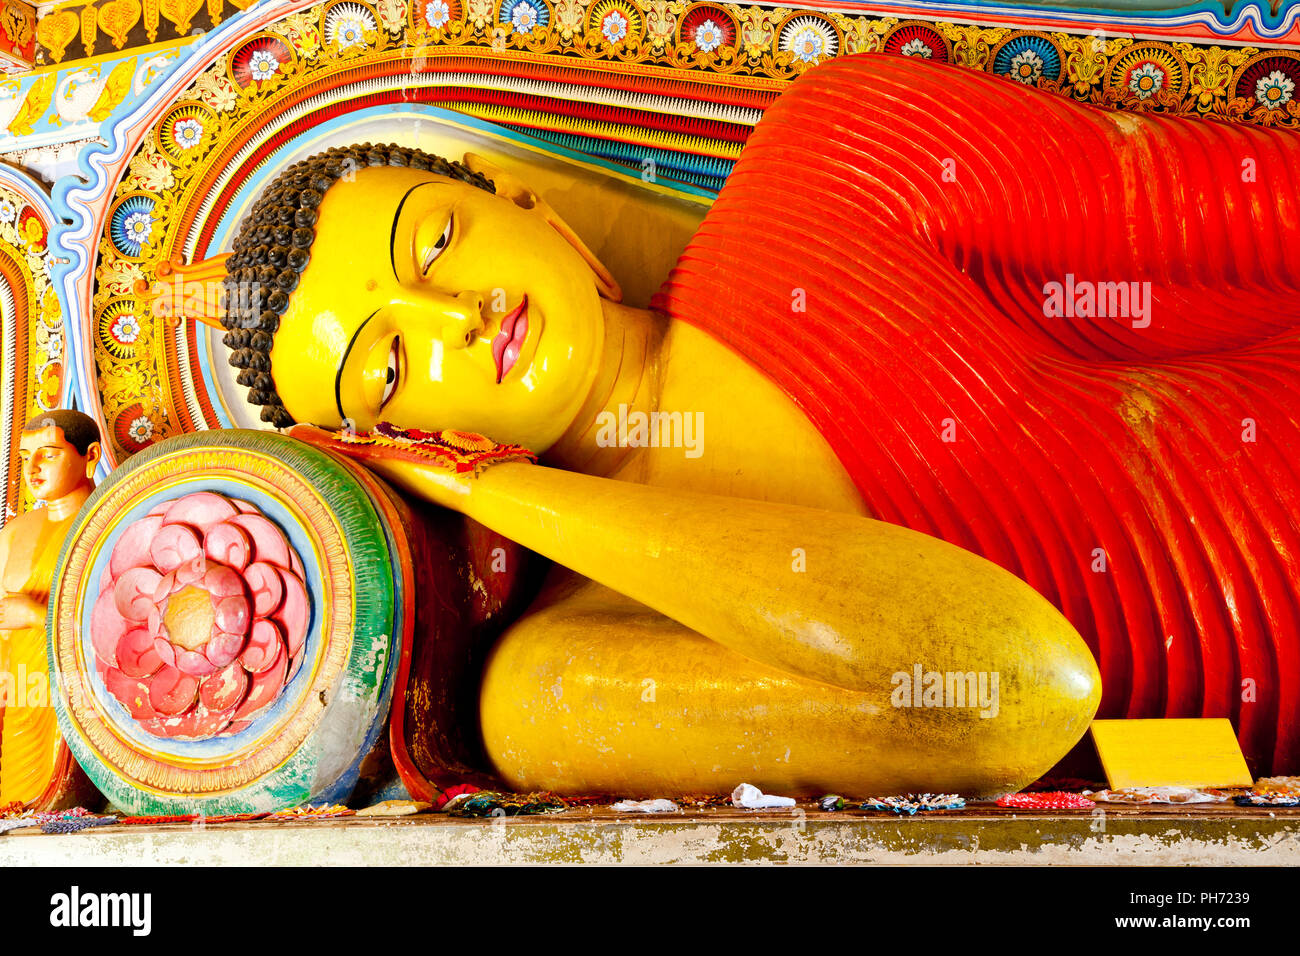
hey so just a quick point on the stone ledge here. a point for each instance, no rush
(1148, 838)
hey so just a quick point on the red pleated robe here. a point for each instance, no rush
(884, 250)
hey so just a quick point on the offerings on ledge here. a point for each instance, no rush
(1145, 795)
(912, 803)
(1290, 785)
(1056, 800)
(1256, 799)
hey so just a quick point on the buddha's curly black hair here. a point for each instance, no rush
(273, 247)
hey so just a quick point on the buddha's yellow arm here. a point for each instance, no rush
(832, 597)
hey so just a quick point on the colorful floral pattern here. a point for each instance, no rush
(807, 44)
(133, 429)
(523, 15)
(347, 25)
(187, 132)
(131, 225)
(707, 29)
(1146, 81)
(138, 227)
(126, 329)
(915, 38)
(915, 47)
(32, 229)
(1275, 90)
(708, 36)
(201, 617)
(614, 27)
(1026, 67)
(263, 65)
(1148, 75)
(809, 39)
(140, 430)
(1027, 58)
(437, 13)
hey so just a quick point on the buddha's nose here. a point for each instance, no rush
(461, 319)
(451, 318)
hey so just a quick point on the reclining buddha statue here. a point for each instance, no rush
(914, 469)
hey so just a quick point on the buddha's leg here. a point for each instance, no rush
(29, 735)
(622, 700)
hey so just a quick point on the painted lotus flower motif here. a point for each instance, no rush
(141, 430)
(349, 31)
(138, 226)
(523, 16)
(201, 617)
(7, 211)
(262, 65)
(187, 132)
(1146, 81)
(437, 13)
(614, 26)
(915, 47)
(708, 36)
(126, 329)
(1026, 67)
(1275, 90)
(807, 45)
(32, 229)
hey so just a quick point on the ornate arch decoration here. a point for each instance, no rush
(32, 330)
(629, 86)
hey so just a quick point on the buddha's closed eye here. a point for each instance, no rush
(439, 245)
(393, 373)
(383, 371)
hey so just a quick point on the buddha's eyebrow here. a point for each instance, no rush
(392, 239)
(338, 376)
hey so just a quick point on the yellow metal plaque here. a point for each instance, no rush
(1165, 753)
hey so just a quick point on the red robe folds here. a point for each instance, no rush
(1063, 338)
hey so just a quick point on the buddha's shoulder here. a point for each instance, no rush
(747, 437)
(29, 522)
(702, 373)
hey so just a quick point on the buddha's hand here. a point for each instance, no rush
(439, 467)
(18, 611)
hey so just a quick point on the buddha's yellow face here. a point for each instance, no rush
(52, 468)
(432, 304)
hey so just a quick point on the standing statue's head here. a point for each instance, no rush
(393, 285)
(59, 451)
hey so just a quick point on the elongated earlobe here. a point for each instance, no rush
(511, 187)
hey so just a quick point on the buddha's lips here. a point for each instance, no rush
(510, 340)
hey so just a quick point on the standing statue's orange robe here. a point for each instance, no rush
(909, 250)
(35, 765)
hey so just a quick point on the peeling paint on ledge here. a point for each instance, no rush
(435, 840)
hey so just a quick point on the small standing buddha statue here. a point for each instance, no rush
(59, 451)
